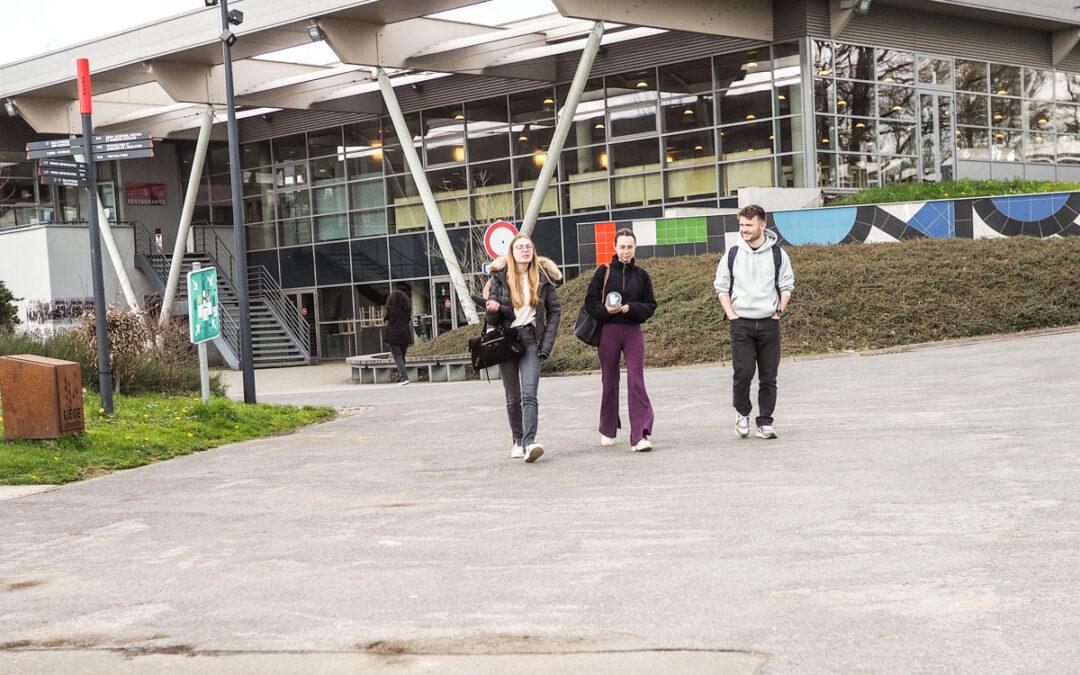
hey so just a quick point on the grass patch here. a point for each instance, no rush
(145, 429)
(957, 189)
(851, 296)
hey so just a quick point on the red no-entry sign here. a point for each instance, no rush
(498, 237)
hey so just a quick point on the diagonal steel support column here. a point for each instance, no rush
(185, 215)
(413, 162)
(562, 128)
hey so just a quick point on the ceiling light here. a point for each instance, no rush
(598, 125)
(750, 64)
(688, 112)
(1042, 120)
(781, 97)
(698, 147)
(824, 141)
(601, 159)
(998, 117)
(751, 116)
(669, 157)
(642, 84)
(860, 125)
(459, 153)
(538, 157)
(1038, 139)
(999, 135)
(523, 138)
(459, 116)
(841, 103)
(1001, 92)
(549, 101)
(887, 79)
(315, 32)
(897, 108)
(823, 72)
(772, 137)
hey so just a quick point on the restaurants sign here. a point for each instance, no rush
(144, 194)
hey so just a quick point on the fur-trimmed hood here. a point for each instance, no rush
(547, 266)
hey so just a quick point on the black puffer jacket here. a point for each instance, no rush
(632, 282)
(548, 309)
(398, 330)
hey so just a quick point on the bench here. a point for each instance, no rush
(381, 369)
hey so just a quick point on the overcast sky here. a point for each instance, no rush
(33, 27)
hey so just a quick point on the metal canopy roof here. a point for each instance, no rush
(161, 76)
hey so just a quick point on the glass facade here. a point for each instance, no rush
(887, 115)
(337, 208)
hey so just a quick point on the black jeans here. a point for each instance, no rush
(399, 360)
(755, 344)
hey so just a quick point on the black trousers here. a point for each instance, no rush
(399, 359)
(755, 345)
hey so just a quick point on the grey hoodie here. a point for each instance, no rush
(754, 294)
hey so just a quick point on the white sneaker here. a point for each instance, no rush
(402, 383)
(766, 431)
(606, 441)
(517, 452)
(742, 426)
(644, 445)
(533, 452)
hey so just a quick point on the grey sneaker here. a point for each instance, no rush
(517, 452)
(742, 426)
(766, 431)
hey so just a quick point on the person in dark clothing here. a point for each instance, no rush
(398, 331)
(521, 295)
(621, 318)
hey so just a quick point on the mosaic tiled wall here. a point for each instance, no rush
(1037, 215)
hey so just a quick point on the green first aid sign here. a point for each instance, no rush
(203, 316)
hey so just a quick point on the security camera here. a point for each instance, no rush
(315, 32)
(236, 17)
(211, 3)
(417, 87)
(228, 37)
(9, 107)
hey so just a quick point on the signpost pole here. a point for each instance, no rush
(204, 368)
(240, 267)
(86, 109)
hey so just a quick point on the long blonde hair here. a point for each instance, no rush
(514, 272)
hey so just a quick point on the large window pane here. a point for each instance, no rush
(528, 139)
(740, 105)
(1006, 146)
(747, 139)
(366, 195)
(695, 183)
(289, 148)
(1068, 149)
(971, 75)
(637, 120)
(895, 67)
(825, 135)
(935, 72)
(824, 96)
(368, 223)
(1040, 116)
(328, 228)
(490, 176)
(332, 268)
(251, 155)
(261, 235)
(971, 109)
(490, 111)
(448, 183)
(584, 195)
(788, 95)
(363, 150)
(533, 106)
(791, 133)
(488, 142)
(576, 163)
(896, 102)
(826, 169)
(821, 57)
(1067, 87)
(291, 175)
(324, 143)
(689, 112)
(898, 170)
(370, 260)
(297, 267)
(854, 62)
(855, 98)
(390, 135)
(327, 170)
(409, 256)
(755, 173)
(1005, 113)
(1067, 118)
(743, 68)
(294, 231)
(972, 143)
(638, 190)
(1039, 147)
(445, 149)
(1039, 84)
(1005, 80)
(329, 199)
(856, 135)
(693, 148)
(635, 156)
(689, 77)
(858, 171)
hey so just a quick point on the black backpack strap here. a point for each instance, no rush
(731, 268)
(778, 260)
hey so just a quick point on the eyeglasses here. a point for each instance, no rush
(523, 247)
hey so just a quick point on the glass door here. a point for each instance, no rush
(444, 305)
(305, 302)
(936, 136)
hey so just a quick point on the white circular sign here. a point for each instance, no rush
(498, 237)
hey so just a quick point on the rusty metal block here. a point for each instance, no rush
(42, 397)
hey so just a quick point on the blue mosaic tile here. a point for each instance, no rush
(1030, 208)
(815, 226)
(935, 219)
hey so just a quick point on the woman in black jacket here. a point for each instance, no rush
(621, 334)
(521, 295)
(398, 331)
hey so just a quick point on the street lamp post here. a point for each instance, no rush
(240, 270)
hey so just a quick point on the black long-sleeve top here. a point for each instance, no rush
(632, 282)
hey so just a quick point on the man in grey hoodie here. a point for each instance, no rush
(754, 281)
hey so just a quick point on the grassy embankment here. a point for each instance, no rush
(856, 296)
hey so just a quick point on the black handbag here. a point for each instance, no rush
(494, 346)
(586, 328)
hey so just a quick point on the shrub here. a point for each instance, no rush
(9, 317)
(918, 192)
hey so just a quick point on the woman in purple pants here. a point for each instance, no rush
(621, 305)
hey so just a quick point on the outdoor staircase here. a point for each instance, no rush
(280, 336)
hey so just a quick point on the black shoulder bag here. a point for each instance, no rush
(494, 346)
(586, 328)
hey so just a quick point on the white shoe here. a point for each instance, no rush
(402, 383)
(533, 452)
(766, 431)
(644, 445)
(606, 441)
(517, 452)
(742, 426)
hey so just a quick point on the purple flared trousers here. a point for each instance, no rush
(629, 341)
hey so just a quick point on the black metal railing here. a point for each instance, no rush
(263, 285)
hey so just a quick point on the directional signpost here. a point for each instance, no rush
(204, 318)
(108, 147)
